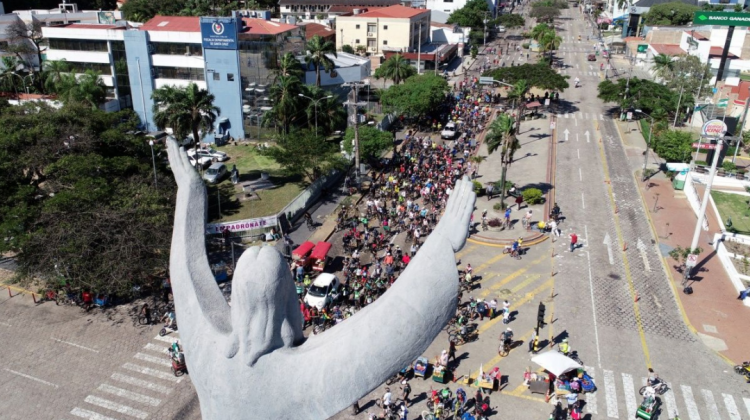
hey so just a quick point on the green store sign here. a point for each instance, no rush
(722, 18)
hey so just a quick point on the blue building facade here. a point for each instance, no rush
(141, 76)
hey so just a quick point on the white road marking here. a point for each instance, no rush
(590, 397)
(576, 121)
(747, 405)
(583, 201)
(734, 413)
(5, 324)
(152, 372)
(579, 153)
(75, 345)
(593, 304)
(153, 359)
(86, 414)
(713, 410)
(669, 401)
(141, 383)
(611, 394)
(167, 338)
(566, 115)
(601, 117)
(111, 405)
(155, 348)
(580, 174)
(576, 136)
(23, 375)
(692, 408)
(133, 396)
(629, 389)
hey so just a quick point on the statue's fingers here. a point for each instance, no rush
(173, 154)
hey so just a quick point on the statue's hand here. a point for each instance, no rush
(184, 173)
(454, 225)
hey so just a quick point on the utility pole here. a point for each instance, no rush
(354, 105)
(677, 113)
(419, 49)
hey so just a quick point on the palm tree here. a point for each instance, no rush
(54, 71)
(396, 68)
(540, 31)
(286, 102)
(289, 66)
(518, 95)
(9, 77)
(317, 50)
(502, 135)
(550, 43)
(86, 88)
(331, 115)
(663, 64)
(187, 110)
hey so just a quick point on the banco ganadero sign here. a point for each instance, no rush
(721, 18)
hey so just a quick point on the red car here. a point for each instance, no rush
(591, 57)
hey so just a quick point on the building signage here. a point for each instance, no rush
(714, 128)
(240, 225)
(721, 18)
(705, 146)
(486, 80)
(219, 33)
(642, 48)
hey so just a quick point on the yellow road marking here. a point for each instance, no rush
(529, 296)
(465, 251)
(518, 391)
(510, 277)
(498, 358)
(491, 261)
(529, 243)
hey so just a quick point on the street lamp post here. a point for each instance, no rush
(648, 143)
(315, 105)
(153, 160)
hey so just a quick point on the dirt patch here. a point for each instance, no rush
(737, 248)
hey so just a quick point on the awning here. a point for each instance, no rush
(321, 250)
(603, 20)
(303, 249)
(623, 17)
(534, 104)
(555, 362)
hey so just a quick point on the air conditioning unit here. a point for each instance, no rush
(371, 34)
(373, 49)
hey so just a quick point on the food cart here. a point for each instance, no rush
(300, 255)
(319, 256)
(440, 374)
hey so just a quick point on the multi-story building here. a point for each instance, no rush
(447, 7)
(310, 9)
(394, 28)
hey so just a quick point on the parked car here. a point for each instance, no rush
(202, 160)
(501, 29)
(322, 291)
(591, 57)
(213, 154)
(449, 131)
(215, 173)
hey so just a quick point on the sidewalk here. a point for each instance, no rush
(712, 312)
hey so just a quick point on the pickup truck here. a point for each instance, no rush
(449, 131)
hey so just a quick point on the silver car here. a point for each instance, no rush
(215, 173)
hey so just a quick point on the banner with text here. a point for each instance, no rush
(241, 225)
(219, 33)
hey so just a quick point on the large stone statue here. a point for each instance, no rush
(251, 361)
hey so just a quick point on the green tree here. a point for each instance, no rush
(474, 52)
(501, 135)
(331, 113)
(54, 72)
(396, 68)
(511, 20)
(79, 200)
(417, 96)
(539, 31)
(472, 15)
(302, 153)
(550, 43)
(663, 65)
(10, 78)
(544, 13)
(372, 141)
(87, 88)
(538, 75)
(317, 51)
(643, 94)
(690, 74)
(347, 49)
(674, 14)
(24, 40)
(673, 146)
(188, 110)
(289, 66)
(286, 103)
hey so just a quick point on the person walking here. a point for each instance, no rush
(744, 293)
(490, 190)
(573, 241)
(405, 391)
(506, 316)
(452, 350)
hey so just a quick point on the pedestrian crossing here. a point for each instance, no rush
(618, 397)
(136, 389)
(591, 116)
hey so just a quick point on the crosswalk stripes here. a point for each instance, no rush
(629, 389)
(692, 407)
(591, 406)
(145, 392)
(747, 405)
(610, 394)
(713, 410)
(734, 414)
(670, 402)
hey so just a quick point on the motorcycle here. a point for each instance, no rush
(660, 388)
(166, 329)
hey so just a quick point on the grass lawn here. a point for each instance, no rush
(250, 164)
(734, 206)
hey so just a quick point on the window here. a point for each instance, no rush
(385, 27)
(177, 48)
(230, 77)
(82, 67)
(356, 27)
(371, 43)
(371, 27)
(356, 41)
(77, 44)
(217, 76)
(182, 73)
(385, 42)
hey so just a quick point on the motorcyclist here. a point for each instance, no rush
(169, 319)
(506, 336)
(564, 347)
(653, 378)
(555, 210)
(577, 81)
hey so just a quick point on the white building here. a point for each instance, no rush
(347, 68)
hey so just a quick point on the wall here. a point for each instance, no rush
(343, 75)
(397, 35)
(228, 94)
(725, 257)
(309, 196)
(141, 80)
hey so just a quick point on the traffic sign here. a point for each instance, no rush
(721, 18)
(705, 146)
(692, 260)
(546, 102)
(630, 115)
(486, 80)
(642, 48)
(552, 125)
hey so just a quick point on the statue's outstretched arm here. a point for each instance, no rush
(390, 333)
(198, 300)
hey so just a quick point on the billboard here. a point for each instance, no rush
(721, 18)
(219, 33)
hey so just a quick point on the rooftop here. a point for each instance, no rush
(265, 27)
(361, 3)
(742, 91)
(395, 11)
(172, 24)
(338, 8)
(312, 29)
(341, 59)
(668, 49)
(697, 35)
(716, 52)
(442, 25)
(90, 26)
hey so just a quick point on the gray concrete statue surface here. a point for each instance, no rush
(251, 360)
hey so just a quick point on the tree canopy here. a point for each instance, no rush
(143, 10)
(396, 68)
(471, 15)
(538, 75)
(417, 96)
(544, 13)
(79, 201)
(643, 94)
(673, 145)
(674, 14)
(372, 141)
(302, 153)
(511, 20)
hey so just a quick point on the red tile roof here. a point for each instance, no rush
(742, 91)
(697, 35)
(312, 29)
(342, 8)
(265, 27)
(668, 49)
(172, 24)
(716, 52)
(442, 25)
(395, 11)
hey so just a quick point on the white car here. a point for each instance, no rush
(501, 29)
(213, 154)
(449, 131)
(202, 160)
(322, 291)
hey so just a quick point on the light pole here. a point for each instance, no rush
(315, 104)
(153, 160)
(648, 143)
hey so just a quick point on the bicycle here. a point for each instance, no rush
(310, 224)
(504, 349)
